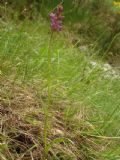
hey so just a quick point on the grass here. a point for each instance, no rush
(84, 116)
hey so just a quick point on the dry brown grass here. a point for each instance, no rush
(21, 127)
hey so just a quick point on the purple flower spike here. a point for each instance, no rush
(56, 19)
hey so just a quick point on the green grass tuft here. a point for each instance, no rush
(85, 98)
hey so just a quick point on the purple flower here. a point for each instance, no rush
(56, 19)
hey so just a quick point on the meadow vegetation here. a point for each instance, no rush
(83, 115)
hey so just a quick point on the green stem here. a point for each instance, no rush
(46, 109)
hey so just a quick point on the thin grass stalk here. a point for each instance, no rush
(107, 120)
(110, 45)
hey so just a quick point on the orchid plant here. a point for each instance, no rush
(56, 19)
